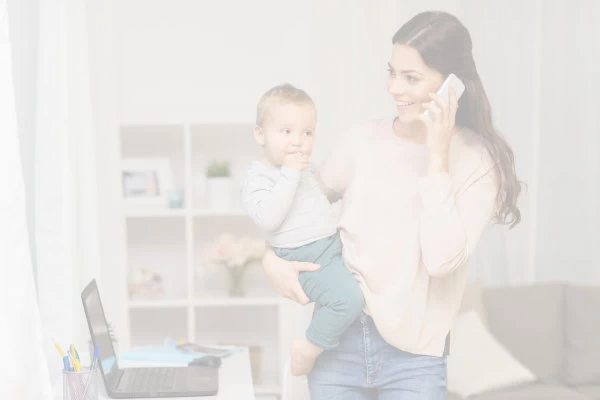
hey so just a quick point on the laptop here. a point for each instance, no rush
(141, 382)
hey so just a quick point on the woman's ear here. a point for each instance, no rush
(259, 135)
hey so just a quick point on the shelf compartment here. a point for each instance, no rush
(155, 213)
(150, 304)
(150, 327)
(255, 327)
(157, 141)
(179, 212)
(208, 212)
(269, 301)
(158, 245)
(213, 281)
(232, 142)
(267, 389)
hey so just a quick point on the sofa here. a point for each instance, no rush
(552, 329)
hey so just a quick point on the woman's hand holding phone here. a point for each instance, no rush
(439, 119)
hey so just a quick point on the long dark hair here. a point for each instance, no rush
(445, 45)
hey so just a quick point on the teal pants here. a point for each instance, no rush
(337, 295)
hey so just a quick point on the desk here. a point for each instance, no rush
(235, 379)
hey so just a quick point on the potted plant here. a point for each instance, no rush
(219, 185)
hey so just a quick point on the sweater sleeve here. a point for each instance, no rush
(266, 203)
(453, 221)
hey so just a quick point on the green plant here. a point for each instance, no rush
(218, 169)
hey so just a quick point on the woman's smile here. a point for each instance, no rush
(404, 105)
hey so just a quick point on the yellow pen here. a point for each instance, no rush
(76, 365)
(74, 352)
(62, 353)
(75, 358)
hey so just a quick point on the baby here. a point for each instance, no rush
(282, 196)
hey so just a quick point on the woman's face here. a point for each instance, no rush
(410, 81)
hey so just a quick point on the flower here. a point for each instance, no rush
(233, 251)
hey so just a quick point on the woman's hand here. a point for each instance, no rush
(440, 128)
(283, 275)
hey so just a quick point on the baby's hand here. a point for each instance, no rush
(298, 161)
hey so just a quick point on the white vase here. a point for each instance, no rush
(219, 192)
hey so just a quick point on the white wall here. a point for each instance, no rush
(190, 60)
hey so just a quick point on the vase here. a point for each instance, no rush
(236, 278)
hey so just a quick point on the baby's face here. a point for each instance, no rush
(288, 128)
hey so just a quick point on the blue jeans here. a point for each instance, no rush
(364, 366)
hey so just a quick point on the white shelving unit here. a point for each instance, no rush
(170, 241)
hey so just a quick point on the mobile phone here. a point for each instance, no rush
(453, 81)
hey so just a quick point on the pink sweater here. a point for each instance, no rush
(407, 234)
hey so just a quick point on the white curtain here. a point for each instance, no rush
(24, 374)
(568, 241)
(539, 62)
(507, 40)
(66, 225)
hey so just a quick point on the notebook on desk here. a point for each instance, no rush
(141, 382)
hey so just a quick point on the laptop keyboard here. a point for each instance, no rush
(148, 380)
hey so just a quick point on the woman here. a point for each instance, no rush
(417, 192)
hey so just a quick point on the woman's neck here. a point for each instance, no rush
(413, 131)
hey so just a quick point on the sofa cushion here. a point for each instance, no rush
(582, 334)
(528, 320)
(535, 391)
(478, 363)
(592, 391)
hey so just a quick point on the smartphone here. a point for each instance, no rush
(451, 81)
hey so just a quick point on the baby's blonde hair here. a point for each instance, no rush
(283, 94)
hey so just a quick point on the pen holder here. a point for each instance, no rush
(81, 385)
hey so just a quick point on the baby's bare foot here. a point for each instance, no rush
(303, 356)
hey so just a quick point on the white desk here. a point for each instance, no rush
(235, 379)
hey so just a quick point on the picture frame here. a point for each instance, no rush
(146, 182)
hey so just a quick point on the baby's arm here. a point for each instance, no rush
(266, 203)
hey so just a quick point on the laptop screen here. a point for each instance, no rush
(96, 319)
